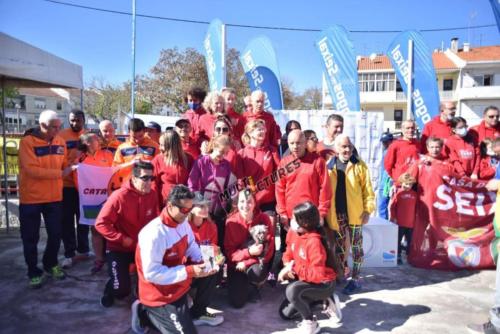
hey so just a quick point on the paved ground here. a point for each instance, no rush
(398, 300)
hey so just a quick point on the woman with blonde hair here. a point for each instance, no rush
(257, 161)
(212, 176)
(214, 104)
(171, 167)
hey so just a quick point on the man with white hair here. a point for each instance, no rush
(273, 133)
(352, 203)
(42, 162)
(107, 134)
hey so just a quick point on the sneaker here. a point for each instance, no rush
(308, 327)
(67, 262)
(353, 286)
(97, 267)
(36, 282)
(486, 328)
(332, 307)
(57, 273)
(209, 319)
(137, 328)
(107, 300)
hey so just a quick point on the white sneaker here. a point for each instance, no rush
(136, 321)
(333, 308)
(209, 319)
(308, 327)
(67, 263)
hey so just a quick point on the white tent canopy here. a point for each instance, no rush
(31, 66)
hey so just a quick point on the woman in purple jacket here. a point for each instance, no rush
(212, 176)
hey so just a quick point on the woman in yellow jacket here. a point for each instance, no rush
(352, 203)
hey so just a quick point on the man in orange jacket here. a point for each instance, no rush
(74, 241)
(42, 158)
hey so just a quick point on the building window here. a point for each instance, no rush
(448, 84)
(398, 86)
(483, 80)
(488, 80)
(59, 105)
(376, 82)
(398, 115)
(40, 103)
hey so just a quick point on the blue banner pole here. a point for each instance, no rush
(132, 88)
(409, 95)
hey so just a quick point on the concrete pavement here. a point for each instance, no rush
(394, 300)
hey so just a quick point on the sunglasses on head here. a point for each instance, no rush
(183, 210)
(223, 130)
(146, 177)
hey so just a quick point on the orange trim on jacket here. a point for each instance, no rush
(72, 139)
(40, 168)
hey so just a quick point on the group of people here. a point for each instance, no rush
(447, 147)
(271, 207)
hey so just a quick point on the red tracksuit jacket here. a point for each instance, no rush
(237, 236)
(259, 163)
(309, 256)
(125, 213)
(480, 132)
(206, 233)
(192, 148)
(194, 118)
(238, 124)
(273, 133)
(166, 177)
(400, 155)
(435, 128)
(304, 179)
(403, 208)
(464, 156)
(164, 250)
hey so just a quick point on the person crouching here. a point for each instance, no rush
(305, 261)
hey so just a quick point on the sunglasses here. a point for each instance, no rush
(493, 116)
(183, 125)
(223, 130)
(184, 210)
(146, 178)
(314, 139)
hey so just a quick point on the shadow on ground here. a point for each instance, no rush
(397, 300)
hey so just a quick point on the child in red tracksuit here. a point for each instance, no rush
(205, 234)
(403, 209)
(305, 261)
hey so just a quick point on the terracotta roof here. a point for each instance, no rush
(441, 61)
(483, 53)
(380, 62)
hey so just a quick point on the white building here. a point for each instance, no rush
(468, 76)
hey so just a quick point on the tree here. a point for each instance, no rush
(102, 100)
(311, 99)
(177, 71)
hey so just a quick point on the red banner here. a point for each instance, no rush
(453, 228)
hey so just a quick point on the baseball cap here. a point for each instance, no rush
(154, 125)
(386, 136)
(182, 121)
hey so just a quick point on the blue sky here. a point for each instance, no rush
(100, 42)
